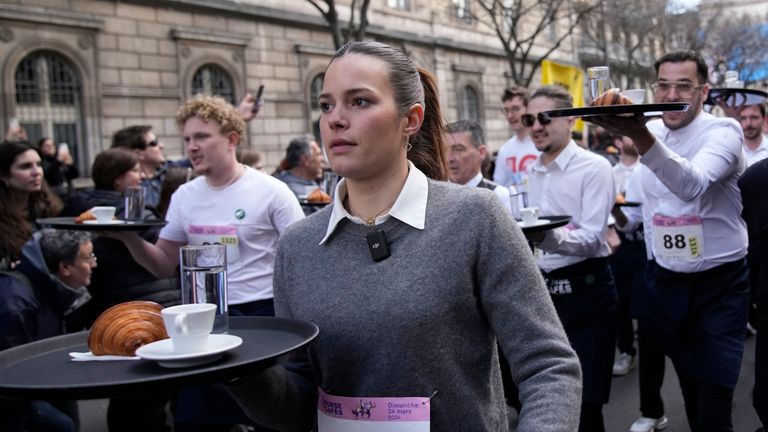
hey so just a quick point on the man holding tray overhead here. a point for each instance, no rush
(697, 283)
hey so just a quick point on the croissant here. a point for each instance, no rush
(318, 196)
(84, 216)
(123, 328)
(611, 97)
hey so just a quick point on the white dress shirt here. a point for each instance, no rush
(410, 206)
(501, 191)
(621, 174)
(758, 154)
(692, 172)
(577, 183)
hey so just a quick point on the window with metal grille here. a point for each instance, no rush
(48, 100)
(400, 4)
(212, 79)
(469, 108)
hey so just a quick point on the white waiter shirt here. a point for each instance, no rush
(758, 154)
(577, 183)
(693, 172)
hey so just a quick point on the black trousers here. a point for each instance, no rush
(627, 266)
(651, 372)
(760, 396)
(707, 406)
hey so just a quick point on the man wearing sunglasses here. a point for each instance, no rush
(142, 141)
(569, 180)
(697, 288)
(518, 152)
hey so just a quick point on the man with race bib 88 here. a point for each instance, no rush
(696, 277)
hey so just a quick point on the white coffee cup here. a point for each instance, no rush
(530, 215)
(189, 326)
(637, 96)
(103, 214)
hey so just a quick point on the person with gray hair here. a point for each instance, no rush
(466, 153)
(38, 300)
(302, 166)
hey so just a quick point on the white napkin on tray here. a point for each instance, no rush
(89, 356)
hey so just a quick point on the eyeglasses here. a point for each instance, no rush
(90, 258)
(528, 119)
(153, 143)
(508, 111)
(684, 89)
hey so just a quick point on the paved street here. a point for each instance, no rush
(619, 413)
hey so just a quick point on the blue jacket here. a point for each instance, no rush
(33, 302)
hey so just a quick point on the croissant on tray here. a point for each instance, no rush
(85, 216)
(318, 196)
(611, 97)
(123, 328)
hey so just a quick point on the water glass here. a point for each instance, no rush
(134, 203)
(204, 279)
(599, 81)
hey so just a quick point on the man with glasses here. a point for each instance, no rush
(568, 180)
(519, 152)
(46, 289)
(697, 287)
(141, 140)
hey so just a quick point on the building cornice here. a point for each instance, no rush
(40, 15)
(207, 35)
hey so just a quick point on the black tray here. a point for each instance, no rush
(649, 109)
(43, 369)
(554, 222)
(69, 224)
(736, 96)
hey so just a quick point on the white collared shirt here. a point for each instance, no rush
(693, 171)
(579, 184)
(621, 174)
(501, 191)
(410, 206)
(758, 154)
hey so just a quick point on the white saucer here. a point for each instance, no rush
(538, 222)
(112, 222)
(162, 351)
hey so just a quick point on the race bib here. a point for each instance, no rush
(216, 234)
(678, 238)
(372, 414)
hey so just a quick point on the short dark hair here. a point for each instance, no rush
(131, 137)
(760, 107)
(296, 148)
(61, 246)
(557, 93)
(513, 92)
(111, 164)
(702, 70)
(476, 134)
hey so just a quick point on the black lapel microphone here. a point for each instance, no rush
(377, 245)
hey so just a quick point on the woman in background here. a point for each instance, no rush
(24, 197)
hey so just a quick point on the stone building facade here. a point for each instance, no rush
(79, 70)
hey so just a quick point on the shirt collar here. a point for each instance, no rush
(410, 206)
(684, 133)
(474, 181)
(562, 159)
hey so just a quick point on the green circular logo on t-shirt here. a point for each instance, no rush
(239, 213)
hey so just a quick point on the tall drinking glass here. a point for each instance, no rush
(204, 280)
(599, 81)
(134, 203)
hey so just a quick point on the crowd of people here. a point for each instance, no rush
(540, 322)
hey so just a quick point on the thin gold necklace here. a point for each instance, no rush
(368, 220)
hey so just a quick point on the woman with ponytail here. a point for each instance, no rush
(410, 279)
(24, 197)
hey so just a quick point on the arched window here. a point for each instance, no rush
(212, 79)
(469, 105)
(49, 99)
(315, 88)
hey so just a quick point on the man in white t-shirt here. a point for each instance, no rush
(466, 152)
(227, 203)
(518, 152)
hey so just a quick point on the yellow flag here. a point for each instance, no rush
(570, 77)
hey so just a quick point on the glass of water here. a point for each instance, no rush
(134, 203)
(204, 279)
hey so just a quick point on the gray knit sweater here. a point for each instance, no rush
(422, 322)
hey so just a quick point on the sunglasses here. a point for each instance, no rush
(528, 119)
(153, 143)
